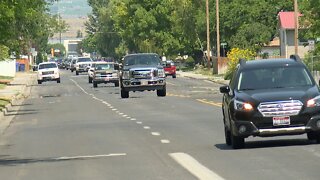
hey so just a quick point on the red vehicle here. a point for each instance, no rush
(170, 69)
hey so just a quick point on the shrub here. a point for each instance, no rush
(190, 62)
(4, 52)
(234, 55)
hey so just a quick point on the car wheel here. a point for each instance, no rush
(39, 81)
(116, 84)
(124, 93)
(227, 135)
(95, 84)
(90, 79)
(58, 80)
(77, 73)
(162, 92)
(236, 141)
(311, 136)
(71, 70)
(174, 76)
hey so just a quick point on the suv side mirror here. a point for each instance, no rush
(224, 89)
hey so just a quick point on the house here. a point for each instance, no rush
(272, 49)
(287, 28)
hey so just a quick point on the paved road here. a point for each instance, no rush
(74, 131)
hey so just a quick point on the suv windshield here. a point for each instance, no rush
(268, 78)
(103, 66)
(47, 66)
(142, 60)
(84, 60)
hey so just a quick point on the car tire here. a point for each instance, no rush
(95, 84)
(58, 80)
(227, 135)
(71, 70)
(90, 79)
(236, 141)
(77, 73)
(174, 76)
(124, 93)
(39, 82)
(116, 84)
(162, 92)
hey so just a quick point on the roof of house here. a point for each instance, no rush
(287, 20)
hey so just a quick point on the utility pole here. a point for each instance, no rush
(208, 34)
(296, 26)
(218, 37)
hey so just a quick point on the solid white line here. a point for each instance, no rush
(194, 167)
(89, 156)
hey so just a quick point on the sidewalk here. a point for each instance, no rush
(213, 78)
(16, 90)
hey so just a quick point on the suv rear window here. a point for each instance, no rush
(268, 78)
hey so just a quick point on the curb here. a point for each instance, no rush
(17, 99)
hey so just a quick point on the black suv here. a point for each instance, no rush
(270, 97)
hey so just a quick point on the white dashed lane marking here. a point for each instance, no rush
(194, 167)
(165, 141)
(155, 133)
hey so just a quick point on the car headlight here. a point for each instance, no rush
(125, 75)
(314, 102)
(161, 73)
(242, 106)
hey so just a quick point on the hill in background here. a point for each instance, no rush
(75, 13)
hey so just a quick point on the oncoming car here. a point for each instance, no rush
(48, 71)
(104, 72)
(270, 97)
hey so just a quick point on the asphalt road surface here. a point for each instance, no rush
(73, 131)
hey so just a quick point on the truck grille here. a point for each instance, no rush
(280, 108)
(144, 74)
(47, 72)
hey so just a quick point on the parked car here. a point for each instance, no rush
(48, 71)
(82, 64)
(170, 69)
(104, 72)
(270, 98)
(140, 72)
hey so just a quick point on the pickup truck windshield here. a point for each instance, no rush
(104, 66)
(47, 66)
(141, 60)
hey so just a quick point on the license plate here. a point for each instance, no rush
(144, 82)
(280, 121)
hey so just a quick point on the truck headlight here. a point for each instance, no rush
(125, 75)
(161, 73)
(314, 102)
(242, 106)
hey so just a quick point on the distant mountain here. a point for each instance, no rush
(70, 8)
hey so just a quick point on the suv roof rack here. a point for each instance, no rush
(295, 57)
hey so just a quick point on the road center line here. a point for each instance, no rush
(194, 167)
